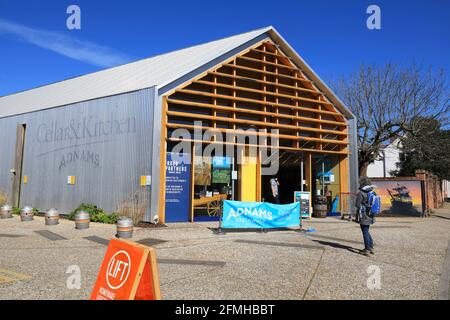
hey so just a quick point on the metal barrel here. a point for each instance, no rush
(320, 207)
(124, 228)
(82, 220)
(52, 217)
(26, 214)
(6, 212)
(320, 211)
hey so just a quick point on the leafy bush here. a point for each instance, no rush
(16, 211)
(105, 218)
(96, 214)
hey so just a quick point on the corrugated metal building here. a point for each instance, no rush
(94, 138)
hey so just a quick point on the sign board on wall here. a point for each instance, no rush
(71, 180)
(146, 181)
(178, 187)
(129, 272)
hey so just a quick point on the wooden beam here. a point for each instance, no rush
(163, 150)
(253, 80)
(215, 68)
(265, 72)
(278, 65)
(344, 177)
(192, 183)
(264, 89)
(255, 112)
(258, 146)
(274, 94)
(258, 177)
(297, 115)
(271, 54)
(221, 96)
(234, 97)
(300, 77)
(308, 172)
(238, 132)
(251, 122)
(18, 165)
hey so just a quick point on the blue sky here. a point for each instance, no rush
(330, 35)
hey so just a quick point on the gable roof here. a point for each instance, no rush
(156, 71)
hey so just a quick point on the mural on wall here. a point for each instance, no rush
(400, 196)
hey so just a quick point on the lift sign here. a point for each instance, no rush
(118, 270)
(129, 271)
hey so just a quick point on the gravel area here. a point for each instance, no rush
(196, 264)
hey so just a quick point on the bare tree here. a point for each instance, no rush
(391, 102)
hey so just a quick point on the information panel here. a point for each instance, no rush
(304, 198)
(178, 187)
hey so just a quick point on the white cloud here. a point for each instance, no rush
(67, 46)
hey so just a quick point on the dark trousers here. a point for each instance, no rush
(368, 241)
(276, 199)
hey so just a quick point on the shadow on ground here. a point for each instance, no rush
(338, 246)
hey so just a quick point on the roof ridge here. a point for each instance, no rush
(200, 44)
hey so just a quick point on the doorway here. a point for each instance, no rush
(326, 180)
(18, 164)
(289, 175)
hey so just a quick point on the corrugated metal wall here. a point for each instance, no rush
(353, 157)
(105, 143)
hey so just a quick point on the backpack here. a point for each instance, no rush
(373, 202)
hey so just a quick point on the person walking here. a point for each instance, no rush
(364, 215)
(274, 184)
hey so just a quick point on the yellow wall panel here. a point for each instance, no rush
(249, 181)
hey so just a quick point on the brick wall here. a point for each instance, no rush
(433, 192)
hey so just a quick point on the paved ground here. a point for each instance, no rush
(196, 264)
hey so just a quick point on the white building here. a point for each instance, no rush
(386, 161)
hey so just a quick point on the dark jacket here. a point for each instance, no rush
(363, 213)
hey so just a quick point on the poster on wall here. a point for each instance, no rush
(221, 172)
(400, 197)
(202, 171)
(178, 187)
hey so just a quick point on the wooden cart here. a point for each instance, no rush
(210, 204)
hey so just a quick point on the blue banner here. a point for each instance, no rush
(251, 215)
(178, 187)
